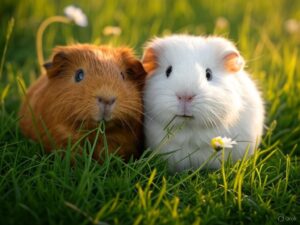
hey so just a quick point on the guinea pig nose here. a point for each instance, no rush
(185, 98)
(107, 101)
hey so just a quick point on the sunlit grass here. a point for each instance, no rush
(39, 188)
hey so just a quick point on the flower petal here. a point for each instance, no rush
(75, 14)
(222, 142)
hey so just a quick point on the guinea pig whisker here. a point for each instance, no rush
(209, 118)
(128, 111)
(126, 124)
(131, 103)
(170, 105)
(133, 109)
(155, 113)
(130, 127)
(76, 119)
(206, 121)
(80, 115)
(213, 117)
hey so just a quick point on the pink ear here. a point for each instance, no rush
(233, 62)
(149, 60)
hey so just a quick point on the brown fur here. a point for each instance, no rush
(57, 109)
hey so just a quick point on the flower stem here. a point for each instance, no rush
(39, 37)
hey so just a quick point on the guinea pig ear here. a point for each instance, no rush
(47, 65)
(134, 67)
(55, 67)
(149, 60)
(233, 61)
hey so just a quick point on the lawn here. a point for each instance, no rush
(39, 188)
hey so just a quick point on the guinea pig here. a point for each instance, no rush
(85, 84)
(198, 86)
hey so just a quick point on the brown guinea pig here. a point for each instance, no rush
(84, 85)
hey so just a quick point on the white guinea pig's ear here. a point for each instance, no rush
(233, 61)
(149, 60)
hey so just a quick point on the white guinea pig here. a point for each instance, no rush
(199, 83)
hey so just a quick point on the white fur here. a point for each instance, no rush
(228, 105)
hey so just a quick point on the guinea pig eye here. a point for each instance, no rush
(79, 75)
(169, 71)
(208, 74)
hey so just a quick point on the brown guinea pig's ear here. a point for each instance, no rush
(58, 63)
(149, 60)
(134, 67)
(233, 61)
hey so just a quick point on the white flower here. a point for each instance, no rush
(110, 30)
(75, 14)
(292, 26)
(222, 23)
(219, 143)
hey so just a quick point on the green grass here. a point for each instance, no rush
(36, 188)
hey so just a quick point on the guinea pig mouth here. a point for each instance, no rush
(105, 116)
(186, 116)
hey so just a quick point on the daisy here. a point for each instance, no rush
(112, 30)
(75, 14)
(218, 143)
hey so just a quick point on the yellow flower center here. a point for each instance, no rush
(217, 143)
